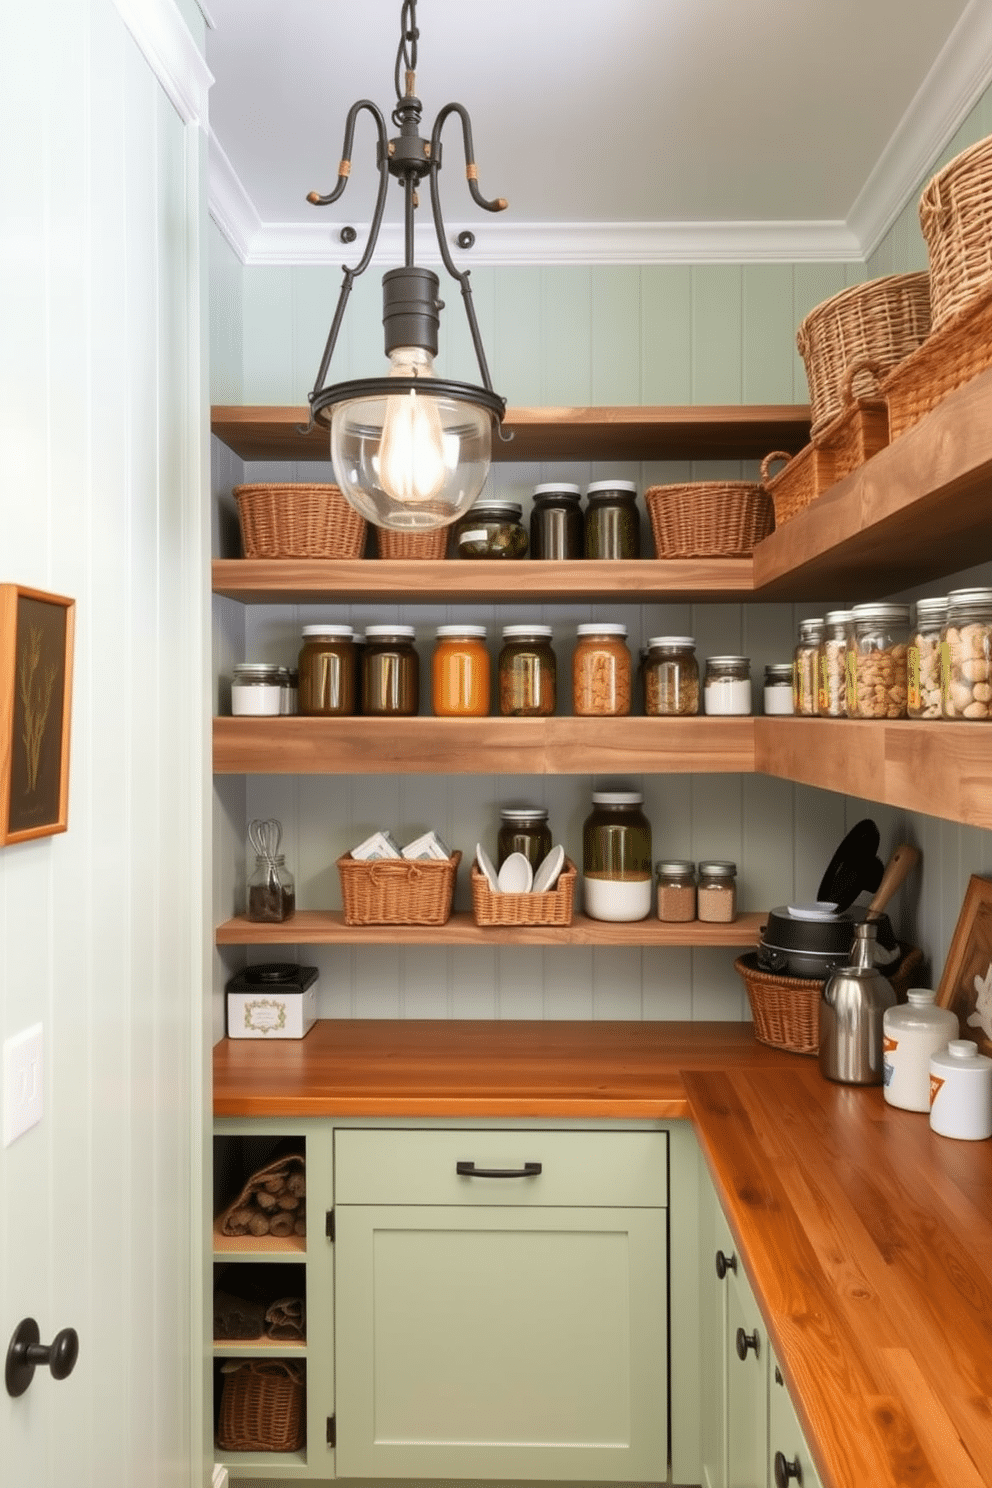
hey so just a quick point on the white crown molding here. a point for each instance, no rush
(952, 87)
(165, 42)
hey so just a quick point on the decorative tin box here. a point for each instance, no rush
(274, 1001)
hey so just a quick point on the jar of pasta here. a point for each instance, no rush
(966, 656)
(804, 688)
(601, 672)
(460, 672)
(831, 696)
(671, 676)
(923, 659)
(877, 672)
(527, 672)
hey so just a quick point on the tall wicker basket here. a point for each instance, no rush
(956, 218)
(263, 1407)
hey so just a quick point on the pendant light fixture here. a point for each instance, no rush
(410, 450)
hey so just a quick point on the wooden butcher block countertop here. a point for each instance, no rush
(866, 1237)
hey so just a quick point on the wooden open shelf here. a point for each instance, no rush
(327, 927)
(256, 1248)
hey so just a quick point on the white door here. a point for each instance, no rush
(101, 940)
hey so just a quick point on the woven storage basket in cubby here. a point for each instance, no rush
(298, 521)
(398, 891)
(956, 218)
(407, 545)
(949, 357)
(551, 908)
(786, 1010)
(880, 322)
(263, 1407)
(709, 519)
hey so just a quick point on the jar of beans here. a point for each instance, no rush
(831, 696)
(966, 656)
(527, 672)
(676, 890)
(877, 671)
(923, 659)
(671, 676)
(601, 671)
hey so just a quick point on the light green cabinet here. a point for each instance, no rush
(747, 1386)
(789, 1456)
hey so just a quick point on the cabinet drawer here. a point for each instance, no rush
(622, 1169)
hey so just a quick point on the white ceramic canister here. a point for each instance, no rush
(961, 1092)
(911, 1032)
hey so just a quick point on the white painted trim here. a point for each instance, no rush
(167, 45)
(958, 78)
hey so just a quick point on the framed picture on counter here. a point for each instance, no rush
(36, 640)
(966, 983)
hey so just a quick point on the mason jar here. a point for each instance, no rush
(716, 894)
(676, 890)
(612, 522)
(390, 671)
(617, 875)
(877, 671)
(778, 688)
(271, 891)
(327, 670)
(523, 829)
(966, 656)
(601, 671)
(256, 690)
(671, 676)
(923, 659)
(527, 672)
(491, 529)
(804, 688)
(831, 669)
(727, 685)
(460, 672)
(556, 528)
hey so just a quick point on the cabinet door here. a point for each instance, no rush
(716, 1242)
(747, 1387)
(501, 1342)
(789, 1459)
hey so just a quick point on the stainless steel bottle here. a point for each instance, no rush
(852, 1008)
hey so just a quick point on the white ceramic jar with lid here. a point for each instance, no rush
(961, 1092)
(911, 1033)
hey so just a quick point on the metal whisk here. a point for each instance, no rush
(265, 836)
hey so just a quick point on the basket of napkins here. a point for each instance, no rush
(385, 884)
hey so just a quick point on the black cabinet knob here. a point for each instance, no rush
(784, 1470)
(26, 1353)
(746, 1341)
(725, 1263)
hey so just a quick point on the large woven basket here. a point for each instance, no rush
(551, 908)
(880, 322)
(397, 891)
(956, 218)
(786, 1010)
(298, 521)
(263, 1407)
(709, 519)
(951, 356)
(409, 545)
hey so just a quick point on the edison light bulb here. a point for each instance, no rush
(412, 463)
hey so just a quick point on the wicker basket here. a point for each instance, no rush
(263, 1407)
(801, 480)
(407, 545)
(786, 1010)
(950, 357)
(298, 521)
(709, 519)
(956, 218)
(397, 891)
(881, 322)
(552, 908)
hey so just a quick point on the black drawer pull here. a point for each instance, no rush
(725, 1263)
(747, 1341)
(469, 1170)
(784, 1470)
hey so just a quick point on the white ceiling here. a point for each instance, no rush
(638, 131)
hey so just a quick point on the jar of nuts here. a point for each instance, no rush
(601, 678)
(877, 673)
(966, 656)
(671, 676)
(804, 662)
(831, 696)
(923, 659)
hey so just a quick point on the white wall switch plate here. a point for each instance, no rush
(22, 1082)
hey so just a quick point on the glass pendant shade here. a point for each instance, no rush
(411, 460)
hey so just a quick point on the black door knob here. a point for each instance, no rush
(746, 1341)
(26, 1353)
(784, 1470)
(725, 1263)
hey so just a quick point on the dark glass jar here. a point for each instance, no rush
(327, 670)
(390, 671)
(271, 891)
(523, 829)
(613, 523)
(527, 672)
(491, 529)
(556, 528)
(617, 869)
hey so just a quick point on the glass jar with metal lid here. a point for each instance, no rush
(966, 656)
(779, 676)
(327, 670)
(460, 672)
(923, 659)
(256, 690)
(727, 685)
(831, 668)
(716, 896)
(676, 890)
(523, 829)
(527, 672)
(877, 675)
(612, 521)
(601, 671)
(390, 671)
(491, 529)
(616, 857)
(804, 688)
(556, 529)
(289, 687)
(671, 676)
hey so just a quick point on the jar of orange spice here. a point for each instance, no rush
(460, 672)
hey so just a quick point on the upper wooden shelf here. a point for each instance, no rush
(726, 432)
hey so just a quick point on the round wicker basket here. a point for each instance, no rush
(290, 520)
(407, 545)
(709, 519)
(956, 218)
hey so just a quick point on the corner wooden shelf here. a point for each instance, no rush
(327, 927)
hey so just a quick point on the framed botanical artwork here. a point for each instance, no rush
(36, 637)
(966, 983)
